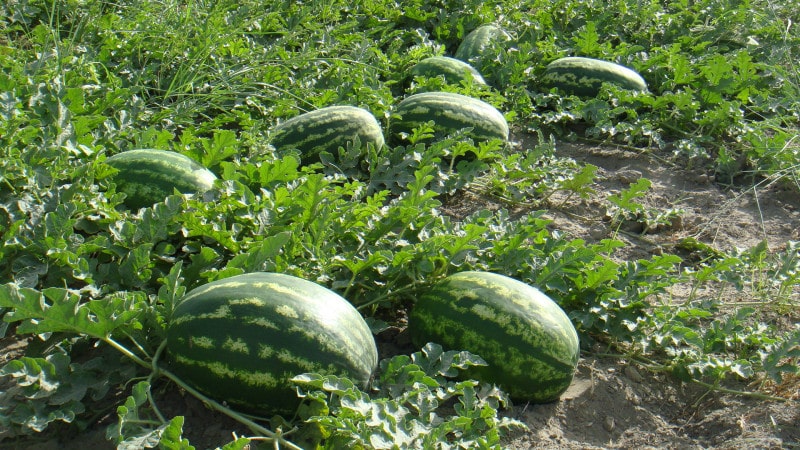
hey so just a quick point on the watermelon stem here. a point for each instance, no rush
(715, 387)
(277, 438)
(121, 348)
(756, 395)
(390, 294)
(153, 375)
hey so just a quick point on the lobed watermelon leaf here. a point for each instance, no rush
(137, 428)
(409, 408)
(62, 310)
(53, 388)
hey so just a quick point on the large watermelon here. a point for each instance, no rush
(528, 341)
(241, 339)
(148, 176)
(450, 112)
(585, 76)
(327, 129)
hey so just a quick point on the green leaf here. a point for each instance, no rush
(171, 436)
(61, 310)
(261, 258)
(44, 390)
(137, 429)
(237, 444)
(624, 199)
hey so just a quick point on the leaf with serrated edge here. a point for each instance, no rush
(60, 310)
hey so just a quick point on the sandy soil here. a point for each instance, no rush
(614, 404)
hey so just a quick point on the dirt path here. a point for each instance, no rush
(613, 404)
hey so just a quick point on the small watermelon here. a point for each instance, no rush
(453, 70)
(476, 45)
(585, 76)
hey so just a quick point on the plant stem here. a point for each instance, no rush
(154, 374)
(655, 367)
(214, 404)
(108, 340)
(229, 412)
(756, 395)
(383, 297)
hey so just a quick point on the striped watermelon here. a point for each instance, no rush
(450, 112)
(585, 76)
(473, 49)
(453, 70)
(241, 339)
(327, 129)
(148, 176)
(526, 338)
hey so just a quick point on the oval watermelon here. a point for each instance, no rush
(148, 176)
(528, 341)
(241, 339)
(585, 76)
(450, 112)
(473, 49)
(453, 70)
(327, 129)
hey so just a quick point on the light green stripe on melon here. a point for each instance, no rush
(223, 371)
(223, 311)
(236, 346)
(203, 342)
(211, 287)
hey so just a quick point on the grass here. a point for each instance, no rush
(85, 79)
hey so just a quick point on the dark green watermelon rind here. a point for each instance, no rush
(453, 70)
(531, 365)
(474, 45)
(243, 338)
(327, 129)
(585, 76)
(148, 176)
(450, 112)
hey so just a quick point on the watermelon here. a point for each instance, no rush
(450, 112)
(453, 70)
(476, 45)
(585, 76)
(148, 176)
(241, 339)
(529, 343)
(327, 129)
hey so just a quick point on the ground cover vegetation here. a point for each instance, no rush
(89, 285)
